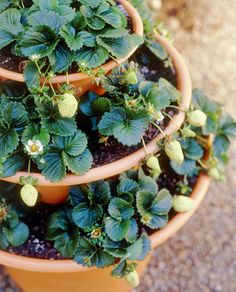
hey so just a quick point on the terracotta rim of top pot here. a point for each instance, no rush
(121, 165)
(75, 77)
(65, 266)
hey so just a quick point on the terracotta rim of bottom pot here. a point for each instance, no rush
(132, 160)
(65, 266)
(137, 28)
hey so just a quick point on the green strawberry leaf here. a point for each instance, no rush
(61, 58)
(40, 40)
(157, 49)
(54, 168)
(17, 235)
(85, 215)
(31, 75)
(128, 130)
(12, 165)
(73, 145)
(132, 233)
(115, 229)
(101, 192)
(67, 243)
(35, 132)
(119, 209)
(92, 57)
(188, 167)
(54, 122)
(47, 18)
(140, 248)
(5, 39)
(79, 164)
(90, 255)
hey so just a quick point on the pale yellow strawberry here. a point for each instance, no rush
(68, 105)
(174, 151)
(29, 195)
(131, 78)
(133, 279)
(197, 118)
(182, 203)
(153, 163)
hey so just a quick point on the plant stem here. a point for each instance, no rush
(159, 128)
(177, 107)
(52, 89)
(170, 117)
(29, 166)
(67, 78)
(22, 4)
(144, 146)
(37, 65)
(202, 164)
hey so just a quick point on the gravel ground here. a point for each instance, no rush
(202, 256)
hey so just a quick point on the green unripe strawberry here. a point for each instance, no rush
(197, 118)
(29, 195)
(214, 173)
(67, 105)
(131, 77)
(133, 279)
(174, 151)
(153, 163)
(182, 203)
(188, 133)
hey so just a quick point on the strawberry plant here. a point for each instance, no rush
(127, 109)
(54, 35)
(12, 230)
(33, 129)
(100, 223)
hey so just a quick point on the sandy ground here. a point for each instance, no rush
(202, 256)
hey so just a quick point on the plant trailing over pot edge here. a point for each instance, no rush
(74, 30)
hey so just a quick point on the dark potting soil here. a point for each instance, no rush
(38, 247)
(152, 67)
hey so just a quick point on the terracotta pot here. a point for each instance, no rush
(51, 193)
(35, 275)
(81, 80)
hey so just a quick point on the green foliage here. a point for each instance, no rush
(65, 32)
(127, 127)
(66, 153)
(127, 109)
(33, 118)
(13, 232)
(102, 221)
(150, 25)
(154, 208)
(220, 125)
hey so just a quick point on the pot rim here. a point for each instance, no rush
(66, 266)
(137, 28)
(132, 160)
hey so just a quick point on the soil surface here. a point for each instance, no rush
(202, 256)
